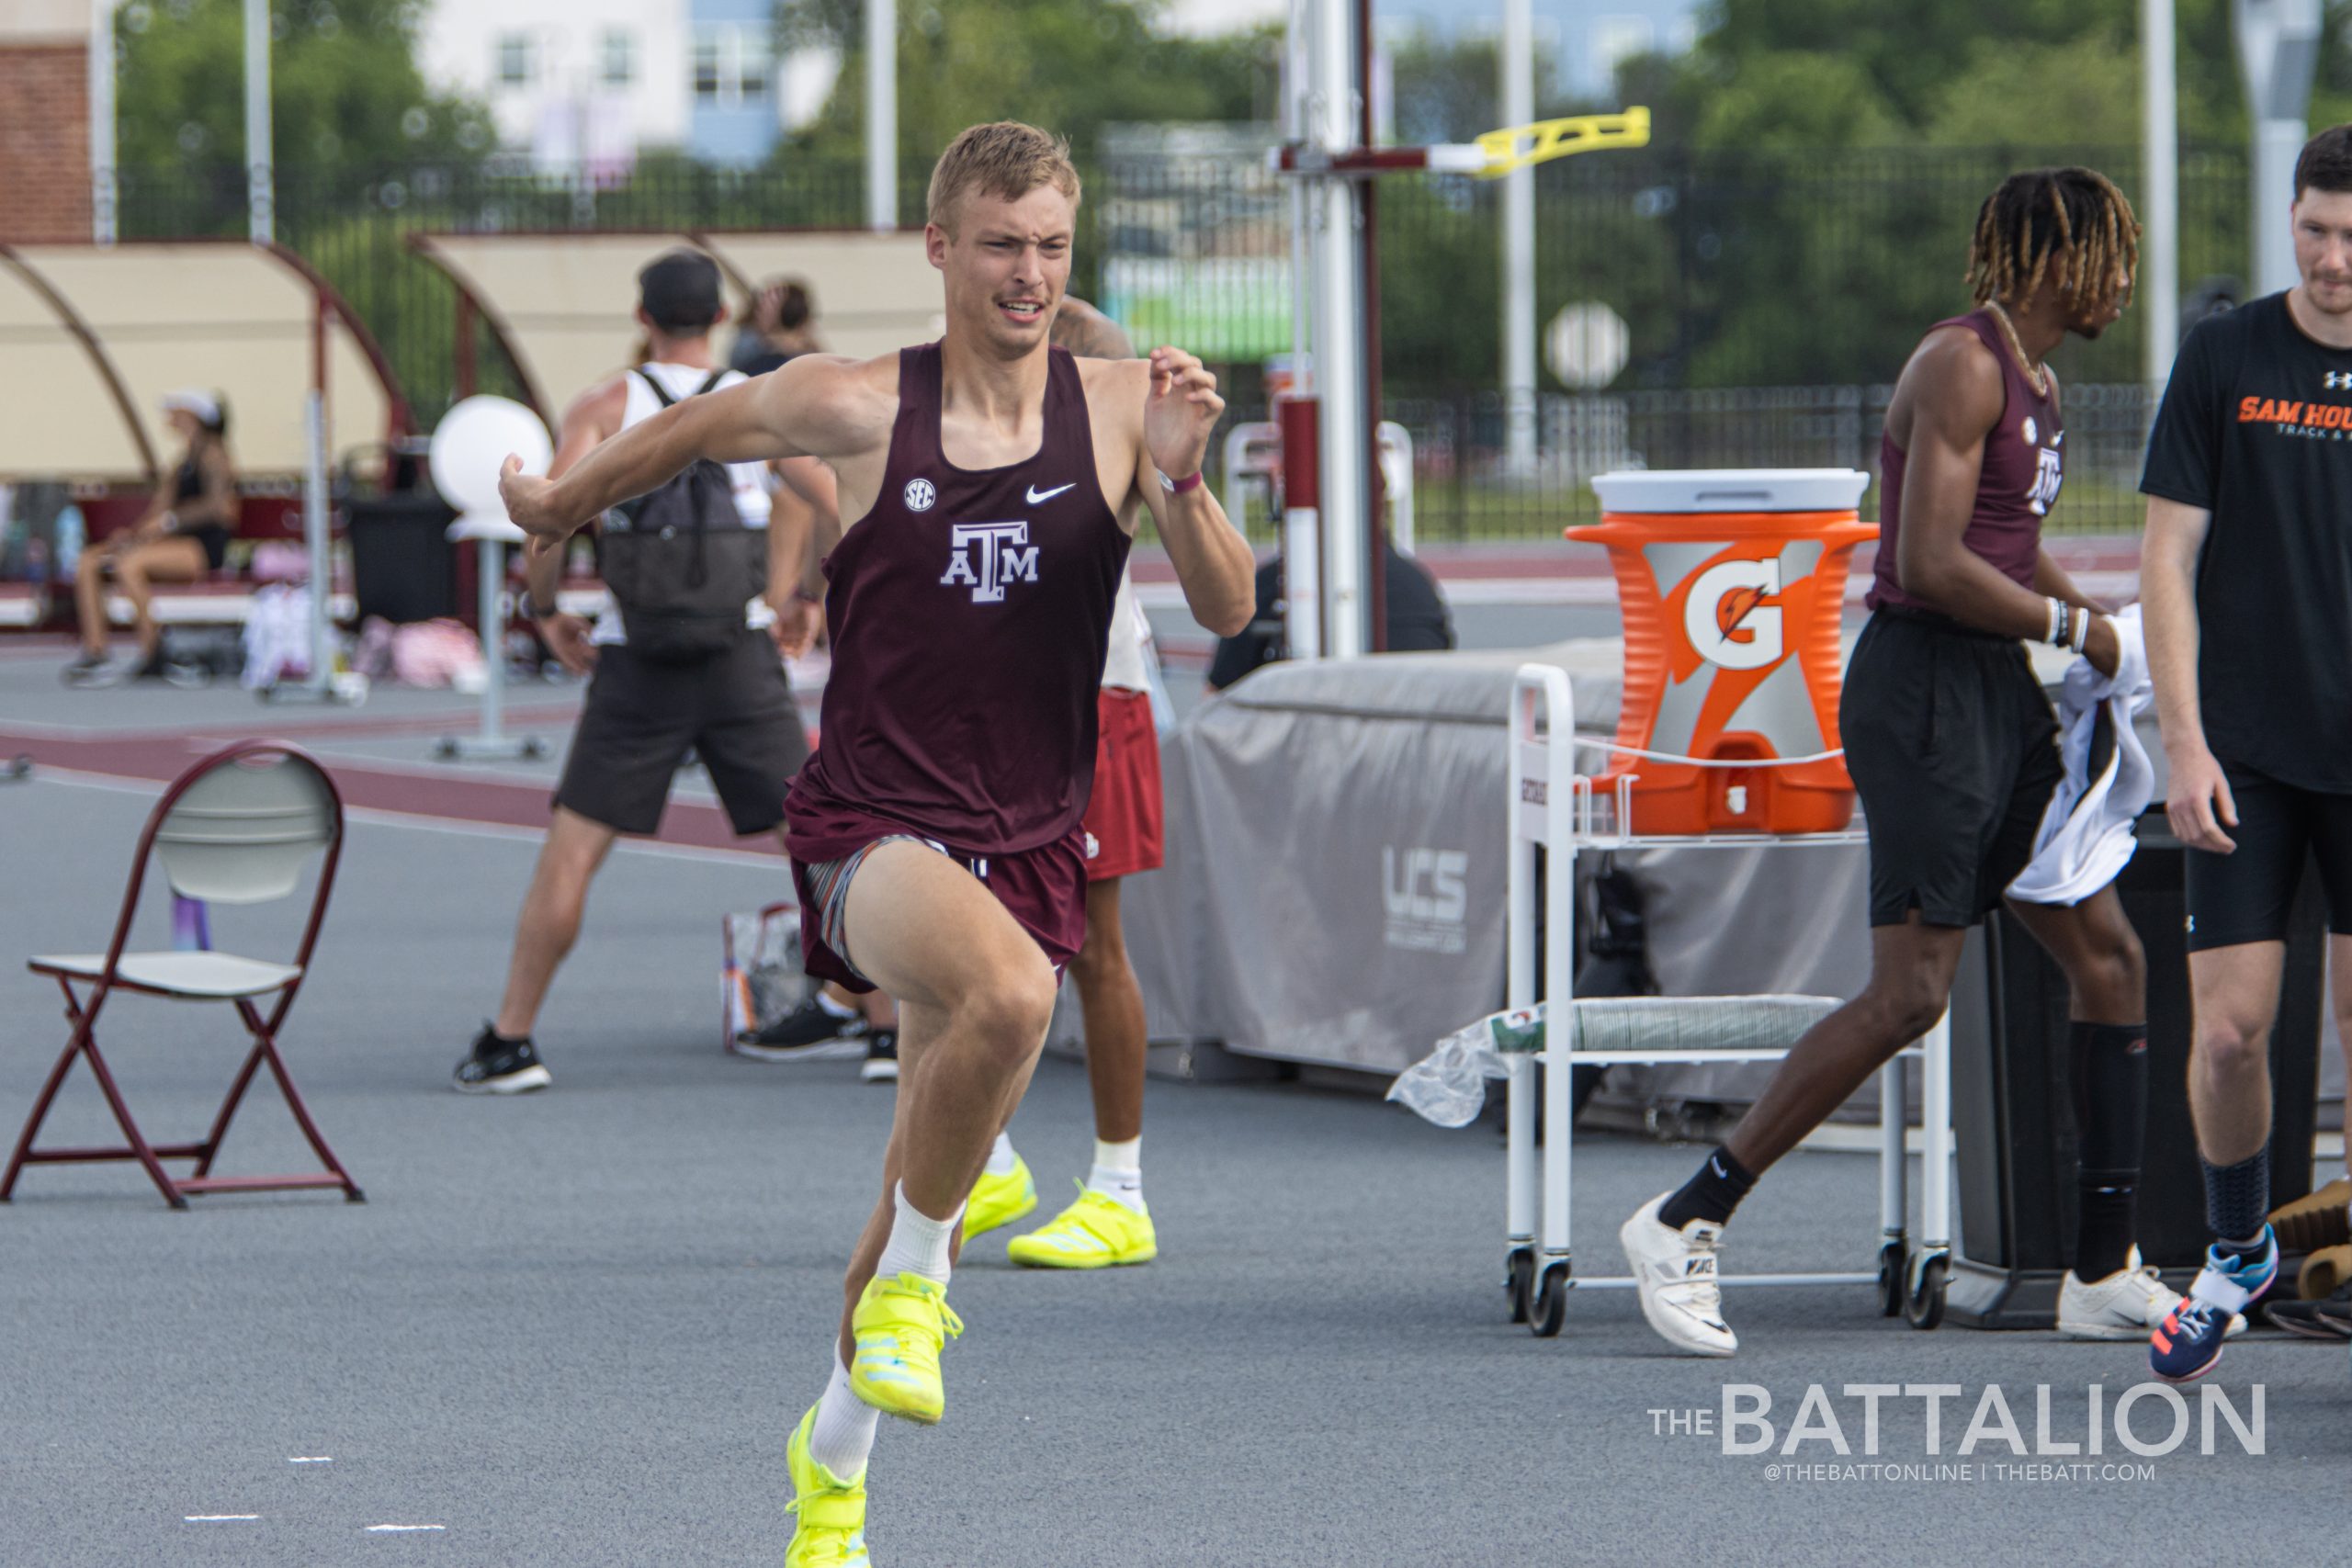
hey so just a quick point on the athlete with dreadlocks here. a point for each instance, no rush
(1953, 750)
(2247, 570)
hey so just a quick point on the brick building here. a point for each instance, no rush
(44, 120)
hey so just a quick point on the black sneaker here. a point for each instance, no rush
(881, 1057)
(810, 1031)
(500, 1066)
(89, 670)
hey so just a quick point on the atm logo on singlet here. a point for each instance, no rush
(987, 555)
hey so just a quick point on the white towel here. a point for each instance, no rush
(2086, 835)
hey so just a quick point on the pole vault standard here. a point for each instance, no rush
(1331, 530)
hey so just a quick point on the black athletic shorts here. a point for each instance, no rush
(735, 709)
(2245, 896)
(1953, 750)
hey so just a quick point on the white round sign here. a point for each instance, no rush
(1587, 344)
(474, 440)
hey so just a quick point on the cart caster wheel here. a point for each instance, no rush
(265, 695)
(1890, 1280)
(1924, 1304)
(17, 768)
(1519, 1282)
(534, 748)
(1551, 1309)
(445, 750)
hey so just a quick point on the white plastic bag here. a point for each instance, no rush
(1448, 1087)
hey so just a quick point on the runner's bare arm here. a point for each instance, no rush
(1213, 560)
(2196, 795)
(817, 405)
(2052, 580)
(1956, 400)
(593, 417)
(814, 483)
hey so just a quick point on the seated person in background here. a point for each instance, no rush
(780, 325)
(1419, 621)
(183, 537)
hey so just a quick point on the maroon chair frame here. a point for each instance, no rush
(81, 1012)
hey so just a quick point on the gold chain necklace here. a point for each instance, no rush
(2037, 376)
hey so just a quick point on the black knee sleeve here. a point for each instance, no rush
(2110, 1084)
(2110, 1078)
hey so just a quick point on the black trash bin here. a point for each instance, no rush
(403, 565)
(2013, 1109)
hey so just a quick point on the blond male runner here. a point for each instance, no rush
(934, 834)
(1109, 1224)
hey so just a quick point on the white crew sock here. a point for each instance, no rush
(918, 1243)
(1118, 1171)
(1002, 1158)
(843, 1433)
(844, 1011)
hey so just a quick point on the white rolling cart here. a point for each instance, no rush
(1566, 821)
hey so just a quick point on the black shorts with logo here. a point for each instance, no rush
(1953, 750)
(734, 709)
(2245, 896)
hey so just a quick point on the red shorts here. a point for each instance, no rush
(1043, 890)
(1123, 821)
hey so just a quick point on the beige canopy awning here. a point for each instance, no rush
(874, 293)
(562, 304)
(121, 326)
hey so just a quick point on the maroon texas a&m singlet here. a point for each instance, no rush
(970, 611)
(2016, 484)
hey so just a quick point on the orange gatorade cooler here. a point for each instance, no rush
(1732, 584)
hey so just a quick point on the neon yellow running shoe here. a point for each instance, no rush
(1096, 1231)
(900, 1325)
(830, 1532)
(999, 1199)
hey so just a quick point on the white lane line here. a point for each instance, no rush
(315, 1459)
(396, 1529)
(216, 1518)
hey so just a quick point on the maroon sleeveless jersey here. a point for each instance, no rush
(2015, 486)
(970, 611)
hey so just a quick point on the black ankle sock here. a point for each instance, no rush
(1710, 1195)
(2237, 1200)
(2110, 1085)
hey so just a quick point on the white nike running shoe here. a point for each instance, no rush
(1676, 1273)
(2127, 1304)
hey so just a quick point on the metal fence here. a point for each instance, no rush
(1767, 297)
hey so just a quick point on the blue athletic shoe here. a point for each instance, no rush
(2186, 1345)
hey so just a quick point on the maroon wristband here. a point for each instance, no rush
(1179, 487)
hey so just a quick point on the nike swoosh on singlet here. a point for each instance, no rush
(1036, 495)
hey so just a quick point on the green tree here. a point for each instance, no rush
(1072, 66)
(344, 88)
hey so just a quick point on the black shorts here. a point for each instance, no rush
(735, 709)
(2245, 896)
(1953, 750)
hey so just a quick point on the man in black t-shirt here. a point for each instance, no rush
(2247, 570)
(1418, 619)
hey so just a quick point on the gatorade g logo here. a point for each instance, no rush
(1726, 617)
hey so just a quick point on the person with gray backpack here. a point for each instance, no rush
(688, 655)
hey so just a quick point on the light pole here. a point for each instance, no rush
(261, 183)
(881, 115)
(2278, 54)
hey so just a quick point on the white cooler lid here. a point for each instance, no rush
(1689, 490)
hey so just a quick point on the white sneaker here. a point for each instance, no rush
(2128, 1304)
(1676, 1273)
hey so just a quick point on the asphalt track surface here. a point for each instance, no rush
(577, 1327)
